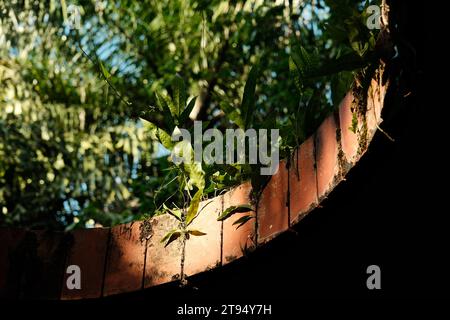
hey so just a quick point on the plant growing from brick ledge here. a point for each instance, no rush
(190, 175)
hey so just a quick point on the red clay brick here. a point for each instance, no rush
(163, 264)
(375, 98)
(349, 139)
(326, 157)
(41, 258)
(237, 241)
(272, 210)
(33, 263)
(88, 251)
(9, 279)
(125, 261)
(382, 92)
(302, 179)
(203, 252)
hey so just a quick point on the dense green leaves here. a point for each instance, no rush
(73, 152)
(303, 65)
(243, 116)
(233, 114)
(248, 99)
(184, 117)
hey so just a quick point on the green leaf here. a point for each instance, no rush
(233, 114)
(166, 105)
(196, 233)
(248, 99)
(234, 209)
(160, 134)
(187, 111)
(196, 174)
(171, 236)
(359, 47)
(165, 139)
(193, 207)
(192, 168)
(179, 95)
(174, 212)
(105, 72)
(306, 65)
(167, 112)
(242, 220)
(295, 74)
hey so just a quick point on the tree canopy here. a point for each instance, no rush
(74, 148)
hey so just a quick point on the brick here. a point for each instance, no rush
(302, 180)
(349, 139)
(125, 260)
(375, 99)
(40, 259)
(237, 241)
(88, 251)
(327, 164)
(163, 264)
(203, 253)
(10, 239)
(272, 212)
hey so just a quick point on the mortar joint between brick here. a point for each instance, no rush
(105, 264)
(342, 162)
(315, 166)
(67, 248)
(183, 256)
(221, 229)
(145, 264)
(288, 200)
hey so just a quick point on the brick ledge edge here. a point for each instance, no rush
(130, 257)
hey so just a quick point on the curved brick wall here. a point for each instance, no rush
(130, 257)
